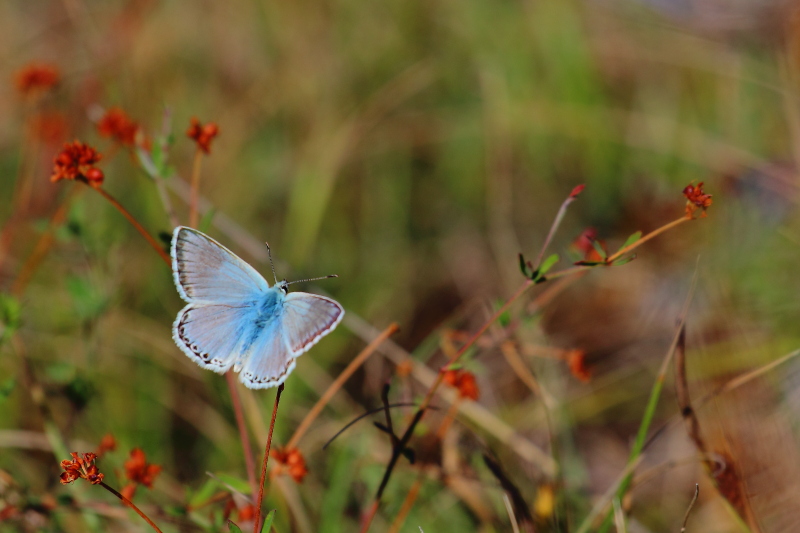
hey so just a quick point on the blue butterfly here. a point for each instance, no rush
(235, 319)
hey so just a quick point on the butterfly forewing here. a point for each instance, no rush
(307, 318)
(206, 271)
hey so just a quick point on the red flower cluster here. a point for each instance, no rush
(119, 126)
(292, 460)
(81, 467)
(464, 382)
(202, 135)
(76, 161)
(34, 78)
(697, 199)
(576, 359)
(139, 472)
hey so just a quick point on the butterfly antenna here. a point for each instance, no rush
(269, 253)
(313, 279)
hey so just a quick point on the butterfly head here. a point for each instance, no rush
(283, 286)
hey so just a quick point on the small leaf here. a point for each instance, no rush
(268, 522)
(624, 260)
(589, 263)
(599, 249)
(522, 267)
(547, 264)
(10, 313)
(233, 528)
(157, 155)
(632, 239)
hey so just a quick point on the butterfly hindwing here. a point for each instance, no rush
(307, 318)
(206, 271)
(268, 361)
(213, 335)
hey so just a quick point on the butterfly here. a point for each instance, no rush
(234, 319)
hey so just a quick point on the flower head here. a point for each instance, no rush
(81, 467)
(576, 359)
(202, 135)
(138, 471)
(36, 77)
(464, 382)
(292, 460)
(696, 199)
(119, 126)
(76, 161)
(107, 444)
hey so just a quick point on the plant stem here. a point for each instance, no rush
(243, 435)
(257, 523)
(338, 382)
(130, 504)
(195, 191)
(647, 237)
(135, 224)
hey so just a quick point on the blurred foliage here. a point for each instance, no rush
(414, 149)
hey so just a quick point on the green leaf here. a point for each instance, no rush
(624, 260)
(599, 248)
(157, 155)
(233, 528)
(632, 239)
(523, 267)
(10, 313)
(547, 264)
(88, 299)
(268, 522)
(236, 483)
(204, 493)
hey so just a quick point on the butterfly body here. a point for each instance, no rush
(234, 319)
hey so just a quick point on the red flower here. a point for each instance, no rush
(292, 460)
(464, 381)
(202, 135)
(696, 199)
(577, 191)
(81, 467)
(138, 471)
(107, 444)
(76, 161)
(119, 126)
(36, 77)
(576, 359)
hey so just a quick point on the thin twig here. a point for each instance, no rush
(195, 194)
(257, 523)
(130, 504)
(691, 505)
(243, 435)
(556, 223)
(338, 382)
(647, 237)
(149, 238)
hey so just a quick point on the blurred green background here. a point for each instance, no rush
(414, 149)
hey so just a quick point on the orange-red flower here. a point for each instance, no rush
(464, 382)
(404, 369)
(292, 460)
(81, 467)
(107, 444)
(138, 471)
(76, 161)
(202, 135)
(119, 126)
(576, 359)
(36, 77)
(696, 199)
